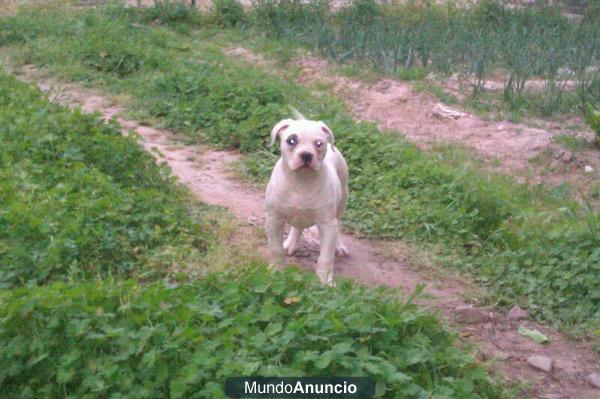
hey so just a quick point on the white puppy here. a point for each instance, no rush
(308, 186)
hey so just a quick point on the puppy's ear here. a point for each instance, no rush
(329, 133)
(279, 128)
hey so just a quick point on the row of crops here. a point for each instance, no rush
(514, 45)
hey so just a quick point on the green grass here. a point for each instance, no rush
(593, 119)
(128, 340)
(573, 143)
(530, 246)
(79, 200)
(90, 228)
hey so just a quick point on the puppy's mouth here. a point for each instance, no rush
(307, 166)
(304, 165)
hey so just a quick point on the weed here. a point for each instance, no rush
(593, 119)
(172, 13)
(410, 73)
(595, 191)
(228, 13)
(573, 143)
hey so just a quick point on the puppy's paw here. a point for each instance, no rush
(326, 278)
(328, 282)
(341, 250)
(289, 248)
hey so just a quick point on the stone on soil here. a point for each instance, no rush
(541, 363)
(594, 380)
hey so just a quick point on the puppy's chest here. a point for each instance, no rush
(305, 211)
(303, 217)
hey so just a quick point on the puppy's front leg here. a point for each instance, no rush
(275, 227)
(328, 238)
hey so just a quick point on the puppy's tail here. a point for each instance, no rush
(296, 113)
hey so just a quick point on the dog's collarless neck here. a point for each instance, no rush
(304, 175)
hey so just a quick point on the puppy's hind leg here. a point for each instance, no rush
(340, 248)
(291, 243)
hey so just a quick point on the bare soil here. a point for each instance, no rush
(208, 174)
(530, 154)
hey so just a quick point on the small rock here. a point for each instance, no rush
(594, 380)
(588, 169)
(445, 112)
(567, 156)
(542, 363)
(470, 314)
(516, 313)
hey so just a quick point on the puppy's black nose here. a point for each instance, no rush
(306, 157)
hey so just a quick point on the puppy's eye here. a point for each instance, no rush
(318, 143)
(292, 141)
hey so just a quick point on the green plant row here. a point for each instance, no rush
(517, 44)
(528, 246)
(125, 340)
(79, 200)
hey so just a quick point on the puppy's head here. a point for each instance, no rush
(303, 143)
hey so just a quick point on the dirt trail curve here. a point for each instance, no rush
(207, 173)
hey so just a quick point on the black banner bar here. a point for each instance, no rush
(300, 387)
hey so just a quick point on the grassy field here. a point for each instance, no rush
(528, 245)
(90, 305)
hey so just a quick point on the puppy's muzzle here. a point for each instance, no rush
(306, 158)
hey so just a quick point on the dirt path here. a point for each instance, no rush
(208, 175)
(530, 154)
